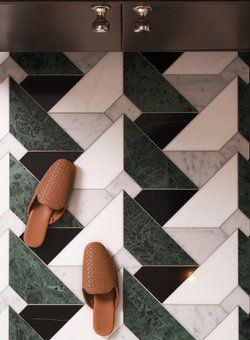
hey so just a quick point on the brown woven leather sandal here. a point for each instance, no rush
(100, 287)
(48, 202)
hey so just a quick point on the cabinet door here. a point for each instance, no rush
(58, 26)
(190, 25)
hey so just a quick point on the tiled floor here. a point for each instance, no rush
(161, 145)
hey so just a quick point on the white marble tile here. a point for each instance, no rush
(237, 220)
(84, 128)
(10, 68)
(123, 182)
(4, 324)
(10, 221)
(123, 259)
(80, 326)
(8, 297)
(123, 106)
(85, 61)
(123, 333)
(10, 144)
(107, 228)
(71, 276)
(238, 297)
(199, 243)
(236, 144)
(3, 56)
(228, 329)
(197, 89)
(236, 68)
(85, 204)
(4, 107)
(201, 63)
(4, 184)
(103, 161)
(199, 166)
(198, 320)
(213, 280)
(95, 92)
(204, 132)
(4, 260)
(213, 203)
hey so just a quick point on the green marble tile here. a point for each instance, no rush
(244, 185)
(33, 127)
(33, 280)
(148, 89)
(244, 325)
(19, 329)
(45, 63)
(146, 317)
(22, 188)
(147, 241)
(147, 164)
(244, 262)
(244, 108)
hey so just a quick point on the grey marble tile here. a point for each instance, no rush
(123, 182)
(198, 90)
(199, 243)
(123, 333)
(8, 297)
(199, 166)
(238, 297)
(236, 144)
(85, 60)
(123, 106)
(199, 320)
(236, 68)
(10, 68)
(123, 259)
(237, 220)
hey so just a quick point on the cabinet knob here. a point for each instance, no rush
(142, 24)
(101, 24)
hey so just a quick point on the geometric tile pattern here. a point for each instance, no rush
(162, 180)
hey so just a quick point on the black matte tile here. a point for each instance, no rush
(163, 204)
(39, 162)
(161, 128)
(161, 60)
(163, 281)
(56, 239)
(48, 90)
(48, 320)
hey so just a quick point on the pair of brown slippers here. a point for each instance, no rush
(99, 282)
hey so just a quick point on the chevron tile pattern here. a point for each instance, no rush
(162, 157)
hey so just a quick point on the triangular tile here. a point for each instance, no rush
(20, 329)
(161, 128)
(47, 90)
(56, 240)
(147, 165)
(45, 63)
(39, 162)
(85, 61)
(148, 89)
(163, 204)
(245, 56)
(48, 320)
(161, 281)
(207, 209)
(4, 324)
(244, 107)
(33, 280)
(33, 127)
(244, 185)
(145, 317)
(4, 107)
(244, 325)
(204, 131)
(213, 280)
(22, 188)
(244, 262)
(161, 60)
(147, 241)
(4, 184)
(4, 260)
(227, 329)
